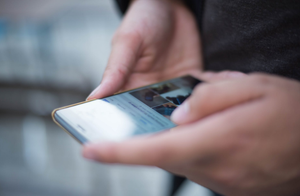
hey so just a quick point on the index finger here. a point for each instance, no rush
(181, 144)
(123, 57)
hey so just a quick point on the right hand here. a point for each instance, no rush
(157, 40)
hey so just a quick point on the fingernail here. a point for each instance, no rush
(93, 93)
(181, 112)
(236, 74)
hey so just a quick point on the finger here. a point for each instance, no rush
(125, 49)
(210, 76)
(202, 141)
(162, 149)
(210, 98)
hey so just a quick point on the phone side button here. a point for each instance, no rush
(80, 128)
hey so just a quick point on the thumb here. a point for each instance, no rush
(209, 98)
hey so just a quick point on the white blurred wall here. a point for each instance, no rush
(56, 43)
(42, 9)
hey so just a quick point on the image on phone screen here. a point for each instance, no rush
(140, 111)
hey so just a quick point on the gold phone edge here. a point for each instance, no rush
(55, 110)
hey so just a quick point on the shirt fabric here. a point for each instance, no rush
(248, 35)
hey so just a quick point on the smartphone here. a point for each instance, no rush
(144, 110)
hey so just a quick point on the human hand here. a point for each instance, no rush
(239, 137)
(157, 40)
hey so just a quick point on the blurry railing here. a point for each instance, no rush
(56, 61)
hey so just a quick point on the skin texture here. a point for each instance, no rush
(238, 134)
(156, 41)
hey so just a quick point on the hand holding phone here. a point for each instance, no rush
(145, 110)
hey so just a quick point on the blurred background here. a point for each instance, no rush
(53, 53)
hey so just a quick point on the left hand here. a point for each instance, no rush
(238, 136)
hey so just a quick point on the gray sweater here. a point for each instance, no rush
(248, 35)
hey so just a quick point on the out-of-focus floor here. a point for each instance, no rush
(53, 53)
(38, 158)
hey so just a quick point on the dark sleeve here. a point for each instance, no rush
(196, 7)
(123, 5)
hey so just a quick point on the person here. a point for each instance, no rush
(240, 131)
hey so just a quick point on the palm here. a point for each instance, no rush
(169, 48)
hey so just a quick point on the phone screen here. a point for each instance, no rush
(140, 111)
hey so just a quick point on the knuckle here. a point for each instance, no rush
(205, 91)
(233, 146)
(260, 79)
(228, 178)
(119, 70)
(123, 70)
